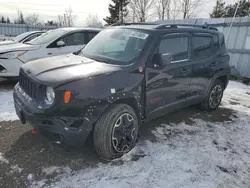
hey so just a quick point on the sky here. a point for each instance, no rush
(48, 9)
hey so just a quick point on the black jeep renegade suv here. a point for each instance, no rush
(124, 76)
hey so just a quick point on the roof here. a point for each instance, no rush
(80, 28)
(31, 32)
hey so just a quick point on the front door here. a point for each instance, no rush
(73, 43)
(168, 86)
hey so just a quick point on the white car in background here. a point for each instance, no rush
(23, 38)
(52, 43)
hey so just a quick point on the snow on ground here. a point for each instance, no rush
(201, 154)
(2, 159)
(7, 109)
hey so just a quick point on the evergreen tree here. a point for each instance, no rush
(219, 9)
(8, 20)
(20, 18)
(243, 10)
(118, 10)
(3, 19)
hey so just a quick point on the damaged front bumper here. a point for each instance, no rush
(68, 131)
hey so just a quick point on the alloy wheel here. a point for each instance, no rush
(215, 96)
(123, 135)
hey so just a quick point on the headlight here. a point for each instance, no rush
(50, 95)
(12, 55)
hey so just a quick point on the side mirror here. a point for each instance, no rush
(160, 60)
(60, 43)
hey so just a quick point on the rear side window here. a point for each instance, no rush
(216, 41)
(222, 43)
(201, 46)
(176, 46)
(31, 37)
(74, 39)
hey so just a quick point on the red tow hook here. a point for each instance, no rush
(33, 131)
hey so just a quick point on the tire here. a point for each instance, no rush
(207, 104)
(116, 132)
(246, 82)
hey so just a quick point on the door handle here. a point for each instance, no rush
(213, 64)
(49, 53)
(185, 72)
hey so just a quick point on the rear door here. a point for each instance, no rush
(167, 87)
(203, 61)
(73, 43)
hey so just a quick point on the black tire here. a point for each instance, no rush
(206, 104)
(246, 82)
(105, 142)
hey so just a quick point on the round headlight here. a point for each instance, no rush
(50, 95)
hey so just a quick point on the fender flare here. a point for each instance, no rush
(216, 76)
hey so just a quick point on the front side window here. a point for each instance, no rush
(176, 46)
(74, 39)
(201, 47)
(92, 35)
(117, 46)
(48, 37)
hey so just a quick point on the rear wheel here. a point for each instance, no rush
(116, 132)
(214, 97)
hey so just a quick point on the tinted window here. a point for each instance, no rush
(48, 37)
(92, 35)
(31, 37)
(177, 46)
(216, 41)
(201, 46)
(74, 39)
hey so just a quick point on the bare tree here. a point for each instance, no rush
(60, 20)
(175, 9)
(93, 20)
(141, 9)
(67, 19)
(163, 9)
(188, 7)
(32, 19)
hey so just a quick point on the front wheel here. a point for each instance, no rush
(116, 132)
(214, 96)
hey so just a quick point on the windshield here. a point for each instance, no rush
(20, 37)
(47, 37)
(118, 46)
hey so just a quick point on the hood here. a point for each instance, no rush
(58, 70)
(7, 42)
(17, 47)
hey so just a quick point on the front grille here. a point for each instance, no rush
(28, 86)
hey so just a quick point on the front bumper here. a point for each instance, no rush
(10, 67)
(68, 131)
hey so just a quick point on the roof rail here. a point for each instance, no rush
(132, 23)
(205, 26)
